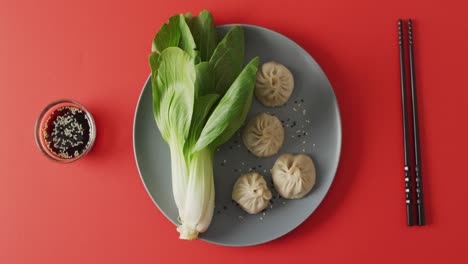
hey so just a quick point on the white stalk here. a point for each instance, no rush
(198, 209)
(179, 174)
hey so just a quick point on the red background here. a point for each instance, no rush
(97, 211)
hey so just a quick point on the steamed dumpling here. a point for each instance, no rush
(251, 192)
(293, 175)
(263, 135)
(275, 84)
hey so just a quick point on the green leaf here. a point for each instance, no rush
(231, 111)
(204, 33)
(228, 58)
(204, 84)
(187, 42)
(168, 35)
(204, 102)
(176, 34)
(201, 111)
(187, 17)
(154, 63)
(173, 92)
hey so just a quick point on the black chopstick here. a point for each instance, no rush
(417, 150)
(408, 189)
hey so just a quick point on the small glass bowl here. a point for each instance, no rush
(42, 120)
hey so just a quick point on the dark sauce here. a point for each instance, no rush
(67, 132)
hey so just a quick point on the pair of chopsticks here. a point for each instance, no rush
(416, 147)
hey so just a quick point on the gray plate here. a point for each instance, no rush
(312, 125)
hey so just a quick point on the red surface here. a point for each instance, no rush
(97, 211)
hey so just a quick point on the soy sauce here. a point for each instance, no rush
(67, 132)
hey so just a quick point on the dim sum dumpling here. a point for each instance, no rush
(274, 85)
(263, 135)
(293, 175)
(251, 192)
